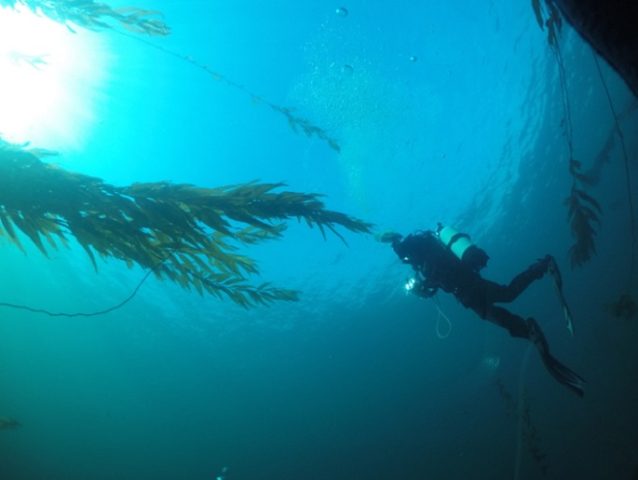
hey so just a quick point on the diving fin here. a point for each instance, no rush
(564, 375)
(560, 372)
(558, 284)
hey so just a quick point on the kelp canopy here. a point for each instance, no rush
(188, 234)
(96, 15)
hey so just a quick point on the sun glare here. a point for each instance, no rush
(49, 78)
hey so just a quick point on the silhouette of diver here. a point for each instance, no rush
(447, 260)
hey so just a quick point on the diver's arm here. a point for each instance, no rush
(427, 283)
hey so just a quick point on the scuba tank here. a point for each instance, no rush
(462, 247)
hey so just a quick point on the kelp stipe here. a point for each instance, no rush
(296, 122)
(583, 210)
(625, 306)
(526, 432)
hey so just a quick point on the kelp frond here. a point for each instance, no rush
(188, 234)
(583, 214)
(94, 15)
(536, 6)
(553, 20)
(309, 129)
(624, 307)
(295, 121)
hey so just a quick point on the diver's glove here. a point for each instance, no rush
(420, 288)
(388, 237)
(424, 290)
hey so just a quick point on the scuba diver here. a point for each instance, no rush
(448, 260)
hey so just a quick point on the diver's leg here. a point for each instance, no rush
(515, 325)
(506, 294)
(496, 293)
(529, 329)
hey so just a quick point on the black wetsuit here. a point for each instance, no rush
(438, 268)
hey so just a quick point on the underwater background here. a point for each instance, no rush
(444, 111)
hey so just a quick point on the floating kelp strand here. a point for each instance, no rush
(186, 233)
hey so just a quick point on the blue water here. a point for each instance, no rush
(445, 111)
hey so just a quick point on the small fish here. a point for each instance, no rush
(7, 423)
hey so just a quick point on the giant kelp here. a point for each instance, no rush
(532, 438)
(188, 234)
(94, 15)
(583, 209)
(528, 432)
(625, 304)
(624, 307)
(584, 216)
(98, 16)
(594, 173)
(297, 122)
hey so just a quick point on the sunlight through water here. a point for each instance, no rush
(50, 77)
